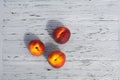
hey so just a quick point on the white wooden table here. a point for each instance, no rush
(93, 51)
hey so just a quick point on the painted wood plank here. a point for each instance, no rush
(79, 69)
(1, 37)
(0, 52)
(97, 50)
(93, 30)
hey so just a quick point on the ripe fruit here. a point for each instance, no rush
(36, 47)
(56, 59)
(61, 34)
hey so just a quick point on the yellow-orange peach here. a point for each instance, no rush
(56, 59)
(36, 47)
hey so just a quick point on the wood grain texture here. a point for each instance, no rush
(93, 51)
(1, 37)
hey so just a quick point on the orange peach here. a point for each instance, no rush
(36, 47)
(61, 34)
(56, 59)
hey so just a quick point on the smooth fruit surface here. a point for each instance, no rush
(36, 47)
(56, 59)
(61, 34)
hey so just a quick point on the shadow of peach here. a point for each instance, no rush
(29, 37)
(51, 25)
(49, 47)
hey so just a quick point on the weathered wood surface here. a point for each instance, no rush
(1, 38)
(93, 52)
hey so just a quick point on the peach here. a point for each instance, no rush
(36, 47)
(61, 34)
(56, 59)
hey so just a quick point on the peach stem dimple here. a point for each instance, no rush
(37, 48)
(58, 57)
(55, 59)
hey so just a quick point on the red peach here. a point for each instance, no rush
(61, 34)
